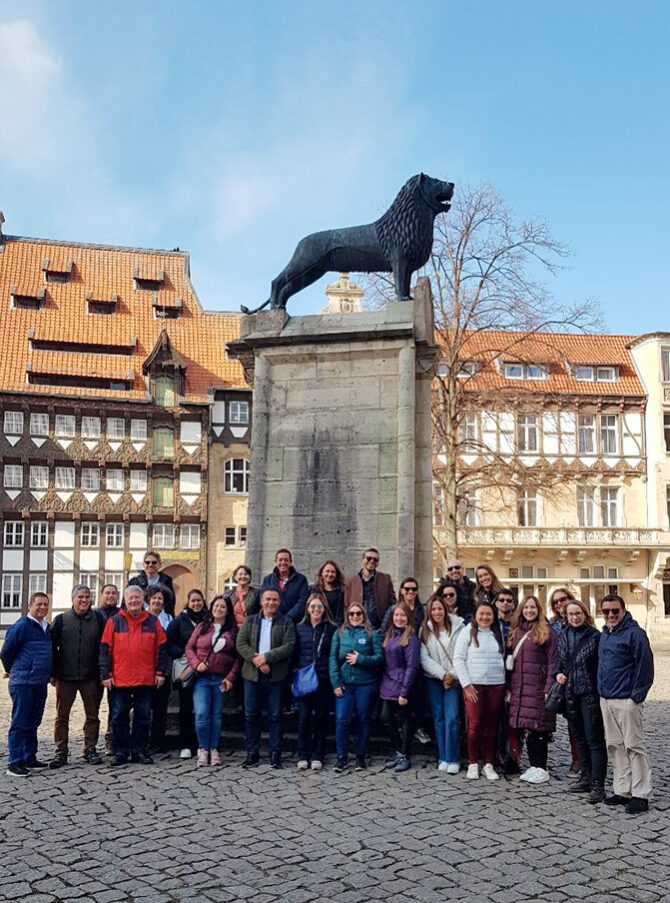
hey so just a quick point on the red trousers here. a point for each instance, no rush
(483, 717)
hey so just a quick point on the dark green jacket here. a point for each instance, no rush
(75, 640)
(368, 663)
(281, 649)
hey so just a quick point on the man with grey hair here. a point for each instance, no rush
(133, 660)
(75, 641)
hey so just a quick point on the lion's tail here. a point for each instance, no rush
(245, 310)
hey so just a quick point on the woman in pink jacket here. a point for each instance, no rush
(212, 654)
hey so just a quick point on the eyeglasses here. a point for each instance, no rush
(411, 589)
(448, 595)
(355, 614)
(151, 561)
(611, 611)
(506, 601)
(370, 558)
(316, 606)
(455, 567)
(561, 599)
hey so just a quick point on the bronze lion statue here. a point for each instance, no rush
(400, 242)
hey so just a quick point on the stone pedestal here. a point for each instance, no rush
(341, 438)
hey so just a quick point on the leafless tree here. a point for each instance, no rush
(487, 272)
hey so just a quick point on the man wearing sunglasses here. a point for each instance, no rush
(370, 588)
(465, 588)
(625, 676)
(150, 575)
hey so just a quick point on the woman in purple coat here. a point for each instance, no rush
(402, 651)
(533, 646)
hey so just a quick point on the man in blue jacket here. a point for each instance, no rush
(26, 658)
(625, 676)
(292, 587)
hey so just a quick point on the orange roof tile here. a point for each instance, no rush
(556, 352)
(199, 337)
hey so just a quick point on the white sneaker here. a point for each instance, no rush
(303, 765)
(490, 773)
(185, 754)
(317, 765)
(453, 768)
(472, 772)
(528, 774)
(541, 776)
(442, 766)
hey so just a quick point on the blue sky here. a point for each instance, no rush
(231, 130)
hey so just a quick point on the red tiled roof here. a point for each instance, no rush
(199, 337)
(556, 352)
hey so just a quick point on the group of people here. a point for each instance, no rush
(492, 673)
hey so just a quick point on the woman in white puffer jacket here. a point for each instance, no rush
(480, 668)
(438, 640)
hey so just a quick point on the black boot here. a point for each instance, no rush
(583, 785)
(597, 794)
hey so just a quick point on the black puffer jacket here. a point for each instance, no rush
(179, 632)
(581, 668)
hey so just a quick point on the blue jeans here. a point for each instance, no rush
(127, 742)
(208, 704)
(256, 694)
(27, 709)
(358, 698)
(445, 706)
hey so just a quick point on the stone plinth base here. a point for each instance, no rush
(340, 446)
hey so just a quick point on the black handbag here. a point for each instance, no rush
(555, 702)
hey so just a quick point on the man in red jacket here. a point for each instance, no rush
(133, 660)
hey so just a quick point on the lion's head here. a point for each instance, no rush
(405, 225)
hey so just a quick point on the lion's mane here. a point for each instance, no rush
(402, 225)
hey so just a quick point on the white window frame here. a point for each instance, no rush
(114, 535)
(116, 429)
(38, 477)
(609, 439)
(39, 534)
(528, 508)
(37, 424)
(230, 537)
(12, 477)
(665, 365)
(90, 535)
(586, 431)
(114, 479)
(527, 433)
(189, 536)
(609, 506)
(231, 469)
(584, 374)
(513, 371)
(92, 581)
(37, 583)
(64, 478)
(12, 590)
(467, 432)
(163, 536)
(14, 534)
(139, 480)
(13, 423)
(91, 427)
(90, 479)
(65, 426)
(243, 537)
(586, 506)
(606, 374)
(117, 578)
(238, 413)
(139, 430)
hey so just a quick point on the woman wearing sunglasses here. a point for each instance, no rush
(314, 635)
(355, 659)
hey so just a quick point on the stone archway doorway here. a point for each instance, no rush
(184, 580)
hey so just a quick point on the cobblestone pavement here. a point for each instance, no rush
(167, 833)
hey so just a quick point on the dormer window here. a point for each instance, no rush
(147, 281)
(524, 371)
(101, 305)
(57, 273)
(166, 309)
(466, 369)
(591, 374)
(27, 300)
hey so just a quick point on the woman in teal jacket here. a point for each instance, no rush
(355, 659)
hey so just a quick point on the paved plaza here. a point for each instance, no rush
(167, 832)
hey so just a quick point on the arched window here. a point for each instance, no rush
(236, 476)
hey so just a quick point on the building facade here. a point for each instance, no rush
(108, 375)
(556, 482)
